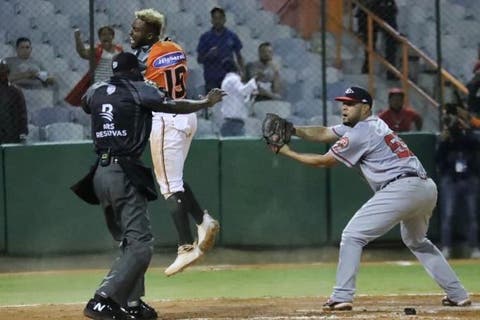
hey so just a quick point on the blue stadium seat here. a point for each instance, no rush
(7, 15)
(282, 108)
(308, 108)
(33, 133)
(33, 8)
(64, 131)
(294, 92)
(6, 50)
(38, 98)
(253, 127)
(204, 127)
(168, 8)
(71, 7)
(46, 116)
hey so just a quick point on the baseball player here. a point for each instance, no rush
(403, 194)
(165, 64)
(121, 110)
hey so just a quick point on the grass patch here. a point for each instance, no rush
(268, 281)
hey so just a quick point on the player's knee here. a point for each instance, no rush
(141, 249)
(354, 238)
(415, 244)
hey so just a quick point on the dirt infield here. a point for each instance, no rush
(366, 307)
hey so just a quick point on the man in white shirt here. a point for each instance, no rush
(236, 103)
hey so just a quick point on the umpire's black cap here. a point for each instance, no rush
(124, 61)
(356, 94)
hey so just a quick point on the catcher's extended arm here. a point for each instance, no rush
(276, 131)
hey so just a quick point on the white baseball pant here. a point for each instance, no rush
(170, 142)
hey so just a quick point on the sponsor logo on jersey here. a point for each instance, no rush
(341, 144)
(107, 113)
(169, 59)
(111, 89)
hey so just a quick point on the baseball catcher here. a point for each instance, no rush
(276, 131)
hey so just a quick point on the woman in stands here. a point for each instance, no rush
(104, 51)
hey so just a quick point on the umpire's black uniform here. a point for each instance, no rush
(121, 111)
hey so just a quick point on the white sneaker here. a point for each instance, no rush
(475, 253)
(207, 231)
(186, 256)
(446, 252)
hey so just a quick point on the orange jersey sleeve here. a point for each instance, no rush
(167, 67)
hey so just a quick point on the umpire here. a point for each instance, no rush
(121, 111)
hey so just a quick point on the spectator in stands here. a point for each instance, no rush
(215, 46)
(458, 167)
(473, 86)
(267, 73)
(235, 105)
(25, 71)
(387, 11)
(398, 116)
(13, 111)
(104, 52)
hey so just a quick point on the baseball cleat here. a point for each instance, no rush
(207, 231)
(450, 303)
(187, 255)
(332, 305)
(143, 312)
(101, 309)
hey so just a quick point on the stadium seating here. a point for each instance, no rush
(64, 131)
(253, 127)
(46, 116)
(32, 8)
(204, 127)
(282, 108)
(308, 108)
(33, 133)
(38, 98)
(6, 50)
(49, 24)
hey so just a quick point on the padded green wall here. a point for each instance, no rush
(260, 198)
(202, 174)
(269, 200)
(43, 215)
(2, 204)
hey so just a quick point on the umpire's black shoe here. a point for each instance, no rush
(143, 312)
(105, 309)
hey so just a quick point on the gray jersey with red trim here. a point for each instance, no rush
(376, 150)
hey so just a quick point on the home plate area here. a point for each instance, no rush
(365, 307)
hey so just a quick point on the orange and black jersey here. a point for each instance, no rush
(166, 65)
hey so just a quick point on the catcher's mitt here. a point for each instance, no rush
(276, 131)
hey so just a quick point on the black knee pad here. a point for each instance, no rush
(178, 205)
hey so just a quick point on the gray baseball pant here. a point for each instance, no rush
(128, 221)
(410, 202)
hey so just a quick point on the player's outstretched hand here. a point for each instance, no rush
(214, 96)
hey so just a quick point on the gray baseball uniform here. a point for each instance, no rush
(403, 194)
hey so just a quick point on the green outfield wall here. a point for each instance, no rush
(261, 199)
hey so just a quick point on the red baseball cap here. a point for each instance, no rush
(396, 91)
(356, 94)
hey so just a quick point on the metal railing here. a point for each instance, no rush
(407, 49)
